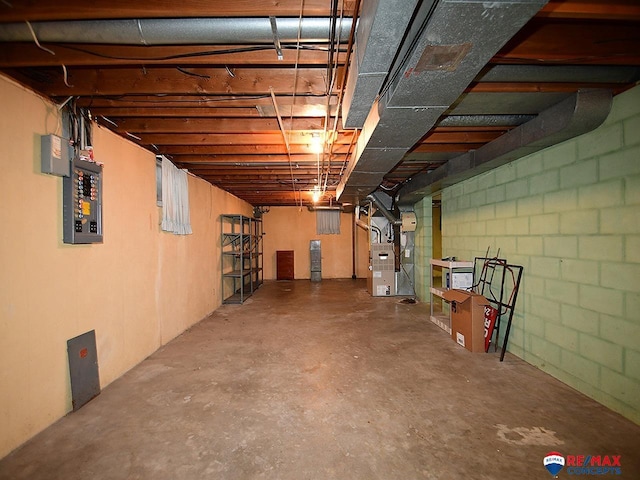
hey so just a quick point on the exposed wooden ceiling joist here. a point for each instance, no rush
(104, 9)
(296, 137)
(192, 149)
(178, 81)
(213, 125)
(28, 55)
(624, 10)
(210, 109)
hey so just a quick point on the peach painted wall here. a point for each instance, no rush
(139, 289)
(292, 228)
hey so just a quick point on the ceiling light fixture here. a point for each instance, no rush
(316, 145)
(316, 194)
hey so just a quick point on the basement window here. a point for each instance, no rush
(328, 222)
(176, 217)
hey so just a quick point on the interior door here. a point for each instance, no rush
(284, 265)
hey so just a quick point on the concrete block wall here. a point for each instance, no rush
(423, 248)
(570, 214)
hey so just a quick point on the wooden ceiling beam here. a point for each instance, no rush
(212, 125)
(249, 188)
(254, 177)
(592, 9)
(287, 191)
(13, 55)
(176, 112)
(187, 149)
(257, 170)
(212, 101)
(258, 167)
(112, 9)
(251, 140)
(246, 159)
(208, 112)
(284, 198)
(172, 81)
(543, 42)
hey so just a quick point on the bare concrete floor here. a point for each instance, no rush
(322, 381)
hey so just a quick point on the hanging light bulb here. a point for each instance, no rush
(316, 144)
(316, 194)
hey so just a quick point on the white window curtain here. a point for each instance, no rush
(328, 222)
(175, 199)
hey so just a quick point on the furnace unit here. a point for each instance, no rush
(383, 275)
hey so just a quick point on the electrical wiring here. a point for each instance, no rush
(394, 73)
(332, 68)
(132, 99)
(207, 53)
(65, 74)
(192, 74)
(35, 39)
(356, 10)
(298, 48)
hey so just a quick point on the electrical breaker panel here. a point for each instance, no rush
(82, 203)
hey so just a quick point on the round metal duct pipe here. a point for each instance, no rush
(179, 31)
(383, 210)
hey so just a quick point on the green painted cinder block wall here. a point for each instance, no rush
(570, 214)
(423, 242)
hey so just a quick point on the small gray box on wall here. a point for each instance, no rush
(54, 155)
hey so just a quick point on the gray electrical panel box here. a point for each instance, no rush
(82, 203)
(54, 155)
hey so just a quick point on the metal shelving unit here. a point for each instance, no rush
(438, 316)
(242, 257)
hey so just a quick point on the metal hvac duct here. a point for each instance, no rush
(578, 114)
(383, 210)
(178, 31)
(484, 120)
(444, 49)
(380, 32)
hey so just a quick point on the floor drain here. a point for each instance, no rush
(408, 300)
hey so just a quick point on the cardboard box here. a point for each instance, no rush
(467, 319)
